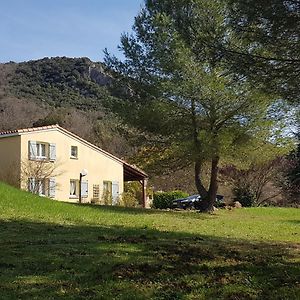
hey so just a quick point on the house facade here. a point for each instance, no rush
(53, 162)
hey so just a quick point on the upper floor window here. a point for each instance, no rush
(74, 152)
(41, 151)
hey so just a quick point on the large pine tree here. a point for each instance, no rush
(182, 90)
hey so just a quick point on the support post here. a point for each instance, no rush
(80, 179)
(144, 190)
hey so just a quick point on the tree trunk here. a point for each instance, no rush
(200, 187)
(208, 198)
(213, 187)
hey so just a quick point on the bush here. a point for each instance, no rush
(244, 196)
(163, 200)
(129, 199)
(106, 198)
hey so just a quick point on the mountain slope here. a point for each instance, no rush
(61, 82)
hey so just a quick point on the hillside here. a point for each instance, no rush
(55, 250)
(62, 82)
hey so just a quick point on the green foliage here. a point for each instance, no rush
(268, 51)
(163, 200)
(244, 195)
(106, 198)
(133, 190)
(56, 117)
(62, 82)
(129, 199)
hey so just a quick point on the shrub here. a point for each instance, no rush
(163, 200)
(132, 191)
(129, 199)
(244, 196)
(106, 198)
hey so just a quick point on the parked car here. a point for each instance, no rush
(186, 203)
(192, 202)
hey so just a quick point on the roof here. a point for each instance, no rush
(25, 130)
(131, 172)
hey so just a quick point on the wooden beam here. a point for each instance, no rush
(144, 191)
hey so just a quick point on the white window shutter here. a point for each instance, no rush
(31, 185)
(115, 192)
(40, 187)
(52, 186)
(52, 152)
(84, 188)
(32, 150)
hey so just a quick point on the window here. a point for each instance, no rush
(42, 187)
(107, 186)
(107, 195)
(39, 186)
(41, 150)
(74, 152)
(115, 192)
(74, 188)
(96, 191)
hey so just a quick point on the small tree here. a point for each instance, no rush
(249, 185)
(106, 198)
(40, 171)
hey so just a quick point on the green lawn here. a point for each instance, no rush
(54, 250)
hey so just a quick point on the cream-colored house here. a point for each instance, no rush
(51, 161)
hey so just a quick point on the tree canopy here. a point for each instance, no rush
(268, 51)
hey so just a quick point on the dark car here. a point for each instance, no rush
(186, 203)
(192, 202)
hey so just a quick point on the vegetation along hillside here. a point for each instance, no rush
(55, 250)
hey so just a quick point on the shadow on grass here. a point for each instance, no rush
(143, 211)
(48, 261)
(296, 222)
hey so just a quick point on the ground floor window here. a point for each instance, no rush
(107, 193)
(110, 192)
(42, 187)
(74, 188)
(39, 186)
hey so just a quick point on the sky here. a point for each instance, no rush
(33, 29)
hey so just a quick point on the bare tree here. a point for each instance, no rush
(255, 184)
(40, 175)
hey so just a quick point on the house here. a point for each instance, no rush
(54, 162)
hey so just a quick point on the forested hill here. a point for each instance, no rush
(61, 81)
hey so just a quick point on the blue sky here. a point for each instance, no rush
(32, 29)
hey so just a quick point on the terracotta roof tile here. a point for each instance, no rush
(28, 129)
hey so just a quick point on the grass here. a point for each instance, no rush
(54, 250)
